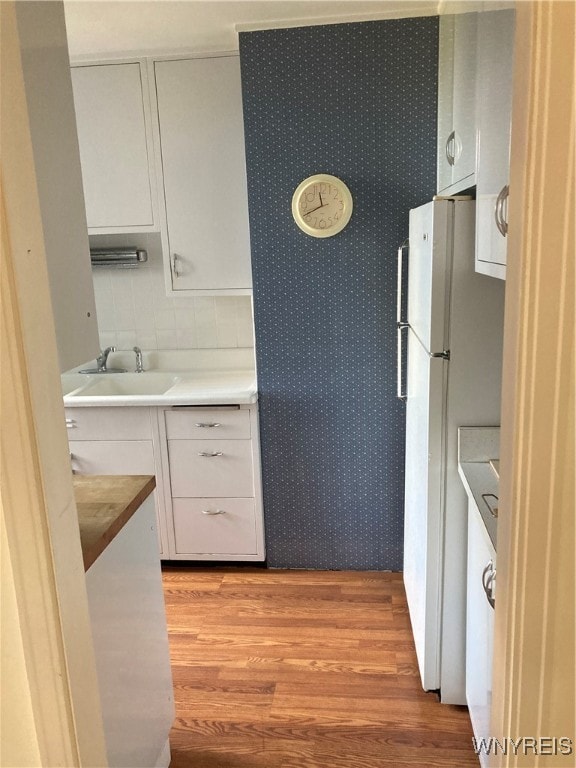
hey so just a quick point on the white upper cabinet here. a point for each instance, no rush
(456, 103)
(201, 139)
(494, 112)
(113, 118)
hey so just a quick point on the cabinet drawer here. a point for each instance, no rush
(217, 526)
(108, 423)
(208, 424)
(211, 467)
(113, 457)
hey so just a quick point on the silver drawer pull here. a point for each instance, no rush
(499, 214)
(488, 581)
(176, 271)
(210, 454)
(493, 510)
(451, 148)
(213, 511)
(208, 424)
(70, 423)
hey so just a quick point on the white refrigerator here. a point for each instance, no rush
(451, 320)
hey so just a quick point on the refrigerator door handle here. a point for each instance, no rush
(401, 323)
(399, 367)
(400, 318)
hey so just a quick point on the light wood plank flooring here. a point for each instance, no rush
(301, 669)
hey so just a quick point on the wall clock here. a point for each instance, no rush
(322, 205)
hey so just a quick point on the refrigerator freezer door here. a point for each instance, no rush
(423, 526)
(431, 232)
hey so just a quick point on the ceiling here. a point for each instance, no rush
(99, 28)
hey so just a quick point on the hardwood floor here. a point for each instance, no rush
(302, 669)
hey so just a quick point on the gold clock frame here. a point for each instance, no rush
(319, 178)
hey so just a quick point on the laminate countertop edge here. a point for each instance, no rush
(480, 480)
(105, 503)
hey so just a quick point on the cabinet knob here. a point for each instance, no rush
(210, 454)
(70, 424)
(213, 511)
(207, 424)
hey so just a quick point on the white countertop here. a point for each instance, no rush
(196, 377)
(478, 450)
(480, 479)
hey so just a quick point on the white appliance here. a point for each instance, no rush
(452, 319)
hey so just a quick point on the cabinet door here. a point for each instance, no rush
(116, 457)
(479, 627)
(445, 99)
(457, 102)
(204, 170)
(116, 171)
(494, 108)
(112, 457)
(131, 423)
(464, 106)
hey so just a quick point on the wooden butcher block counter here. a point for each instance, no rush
(105, 504)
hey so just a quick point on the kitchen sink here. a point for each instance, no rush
(127, 384)
(73, 381)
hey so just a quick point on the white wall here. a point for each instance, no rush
(133, 308)
(52, 121)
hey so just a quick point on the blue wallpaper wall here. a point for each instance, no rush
(357, 101)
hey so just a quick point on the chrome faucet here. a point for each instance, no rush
(139, 364)
(102, 359)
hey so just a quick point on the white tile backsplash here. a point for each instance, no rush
(133, 308)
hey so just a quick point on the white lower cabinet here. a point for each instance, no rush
(214, 488)
(117, 441)
(480, 593)
(112, 457)
(207, 466)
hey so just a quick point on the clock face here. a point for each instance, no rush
(322, 205)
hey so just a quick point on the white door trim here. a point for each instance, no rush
(533, 693)
(54, 675)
